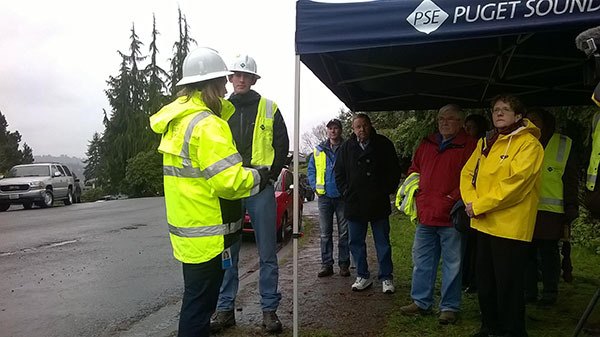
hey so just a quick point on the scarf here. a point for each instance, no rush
(492, 136)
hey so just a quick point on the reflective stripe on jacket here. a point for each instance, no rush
(592, 171)
(506, 193)
(263, 152)
(556, 154)
(203, 177)
(405, 198)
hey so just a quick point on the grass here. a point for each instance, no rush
(557, 321)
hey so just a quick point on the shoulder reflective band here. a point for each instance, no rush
(188, 171)
(269, 108)
(195, 232)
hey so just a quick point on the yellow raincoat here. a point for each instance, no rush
(506, 194)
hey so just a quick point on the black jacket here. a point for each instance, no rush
(366, 178)
(242, 127)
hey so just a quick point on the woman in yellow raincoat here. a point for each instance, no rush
(500, 188)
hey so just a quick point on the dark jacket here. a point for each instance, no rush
(366, 178)
(439, 176)
(242, 127)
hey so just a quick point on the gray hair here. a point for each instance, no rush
(454, 108)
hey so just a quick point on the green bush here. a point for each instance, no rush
(585, 231)
(144, 175)
(92, 195)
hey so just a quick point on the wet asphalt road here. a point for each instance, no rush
(92, 269)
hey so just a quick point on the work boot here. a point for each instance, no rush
(325, 271)
(271, 322)
(414, 310)
(222, 320)
(447, 317)
(344, 271)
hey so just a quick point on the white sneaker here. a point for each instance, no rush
(361, 284)
(388, 286)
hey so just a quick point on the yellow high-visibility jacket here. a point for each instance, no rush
(405, 197)
(507, 186)
(203, 173)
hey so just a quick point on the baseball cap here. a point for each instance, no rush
(335, 121)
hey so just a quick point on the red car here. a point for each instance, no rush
(284, 198)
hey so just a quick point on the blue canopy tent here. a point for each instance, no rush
(378, 55)
(415, 54)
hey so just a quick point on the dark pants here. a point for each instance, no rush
(469, 274)
(566, 265)
(548, 263)
(202, 282)
(501, 276)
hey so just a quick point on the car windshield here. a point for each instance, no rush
(29, 171)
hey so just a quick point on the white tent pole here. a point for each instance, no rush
(296, 211)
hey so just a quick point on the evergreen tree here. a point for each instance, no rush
(181, 48)
(156, 86)
(10, 155)
(92, 162)
(27, 157)
(126, 131)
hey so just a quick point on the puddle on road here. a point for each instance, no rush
(32, 249)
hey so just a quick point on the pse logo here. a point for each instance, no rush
(428, 17)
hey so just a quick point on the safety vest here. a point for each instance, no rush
(320, 168)
(405, 198)
(592, 171)
(202, 173)
(556, 155)
(263, 152)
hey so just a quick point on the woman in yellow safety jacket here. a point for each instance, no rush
(500, 188)
(203, 181)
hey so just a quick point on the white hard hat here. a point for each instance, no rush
(203, 64)
(245, 64)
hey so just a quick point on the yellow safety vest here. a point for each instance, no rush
(556, 155)
(320, 167)
(592, 171)
(263, 152)
(405, 198)
(201, 168)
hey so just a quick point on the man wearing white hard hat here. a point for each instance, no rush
(261, 138)
(204, 181)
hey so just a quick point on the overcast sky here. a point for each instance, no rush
(57, 55)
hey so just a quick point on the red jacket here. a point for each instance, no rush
(439, 181)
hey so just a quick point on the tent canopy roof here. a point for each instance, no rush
(420, 54)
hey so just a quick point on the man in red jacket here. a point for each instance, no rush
(439, 160)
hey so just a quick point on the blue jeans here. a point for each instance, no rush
(262, 210)
(357, 231)
(430, 243)
(327, 208)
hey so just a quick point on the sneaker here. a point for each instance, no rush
(388, 286)
(222, 320)
(414, 310)
(344, 271)
(271, 322)
(447, 317)
(325, 271)
(361, 284)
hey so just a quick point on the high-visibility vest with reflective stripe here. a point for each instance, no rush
(556, 155)
(263, 152)
(320, 168)
(592, 171)
(405, 197)
(202, 169)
